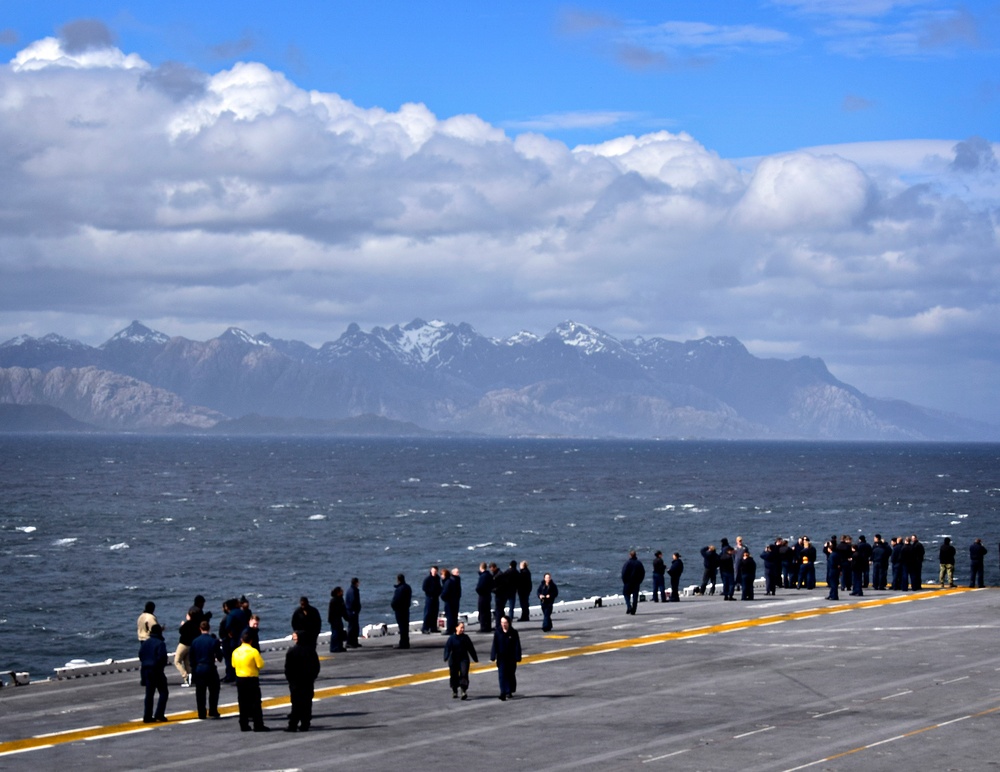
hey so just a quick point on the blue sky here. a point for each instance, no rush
(814, 178)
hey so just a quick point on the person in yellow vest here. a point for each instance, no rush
(247, 663)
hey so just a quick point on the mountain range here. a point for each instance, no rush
(440, 377)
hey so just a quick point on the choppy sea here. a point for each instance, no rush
(93, 526)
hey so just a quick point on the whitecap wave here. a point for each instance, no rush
(120, 546)
(317, 517)
(64, 542)
(26, 528)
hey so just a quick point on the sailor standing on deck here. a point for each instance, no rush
(353, 602)
(402, 597)
(153, 661)
(946, 560)
(659, 573)
(336, 615)
(451, 596)
(484, 598)
(524, 588)
(633, 572)
(206, 650)
(301, 671)
(710, 571)
(247, 663)
(977, 552)
(432, 599)
(675, 571)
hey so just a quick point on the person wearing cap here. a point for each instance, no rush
(301, 672)
(152, 674)
(247, 663)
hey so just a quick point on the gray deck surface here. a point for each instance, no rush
(888, 681)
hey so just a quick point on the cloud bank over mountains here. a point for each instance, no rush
(194, 199)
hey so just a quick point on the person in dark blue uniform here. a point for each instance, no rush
(898, 566)
(402, 597)
(547, 594)
(710, 572)
(336, 616)
(152, 675)
(301, 672)
(524, 588)
(807, 565)
(206, 650)
(459, 653)
(748, 573)
(915, 564)
(506, 652)
(977, 553)
(726, 572)
(675, 571)
(237, 620)
(659, 577)
(866, 557)
(832, 572)
(858, 567)
(432, 601)
(510, 582)
(881, 555)
(484, 599)
(451, 596)
(352, 600)
(633, 572)
(772, 569)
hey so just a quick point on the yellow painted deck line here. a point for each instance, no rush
(440, 674)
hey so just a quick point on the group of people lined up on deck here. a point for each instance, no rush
(850, 565)
(237, 642)
(238, 646)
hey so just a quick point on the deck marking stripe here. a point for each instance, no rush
(755, 731)
(666, 755)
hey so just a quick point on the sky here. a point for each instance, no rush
(814, 177)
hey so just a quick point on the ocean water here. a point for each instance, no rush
(93, 526)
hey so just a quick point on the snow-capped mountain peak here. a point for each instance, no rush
(139, 333)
